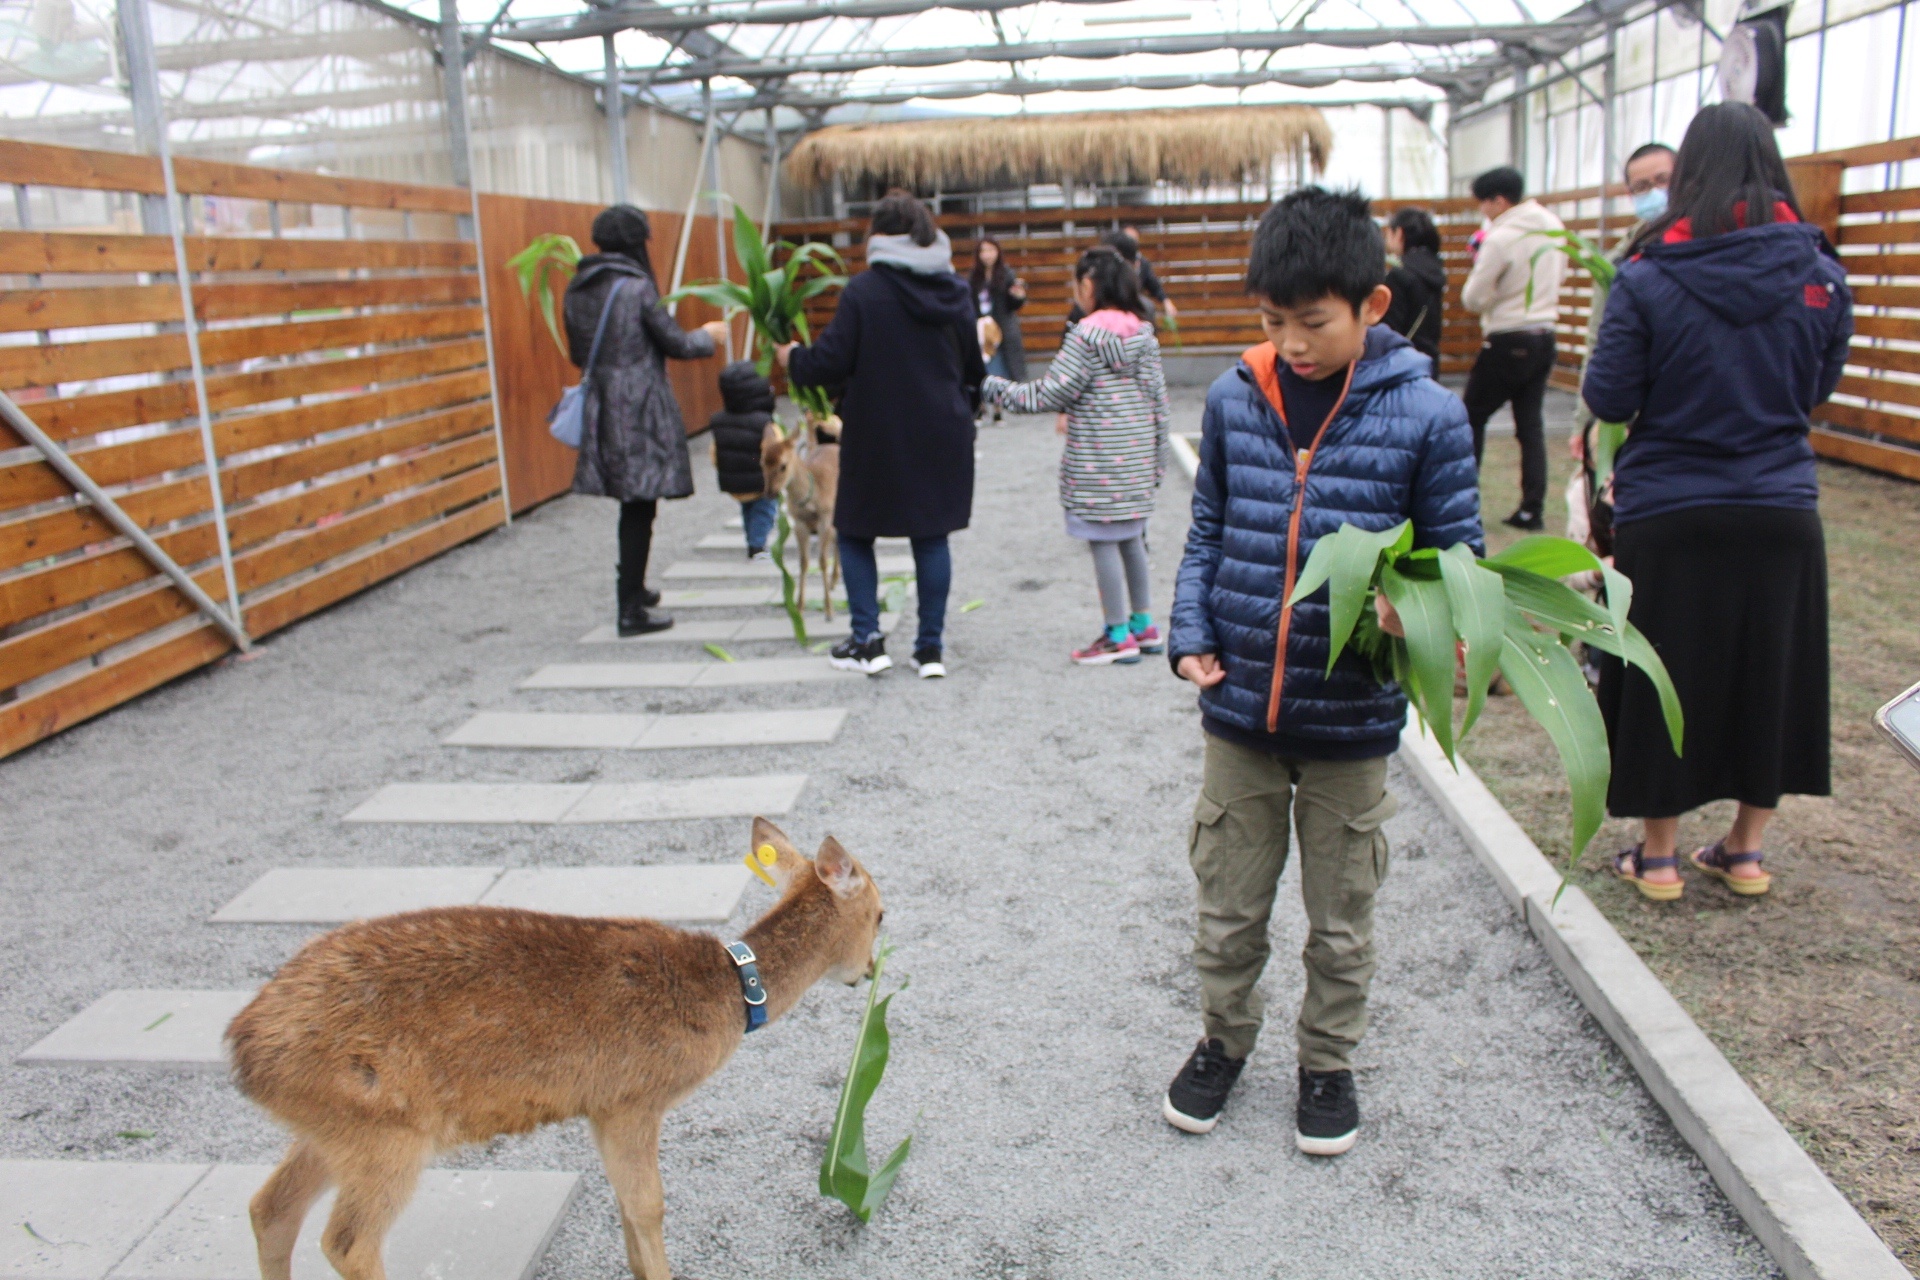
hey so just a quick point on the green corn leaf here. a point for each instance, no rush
(1553, 689)
(1557, 606)
(1619, 596)
(1345, 560)
(1478, 598)
(546, 258)
(724, 294)
(1544, 554)
(747, 245)
(789, 596)
(718, 652)
(817, 286)
(844, 1174)
(1607, 439)
(1638, 650)
(1428, 621)
(971, 605)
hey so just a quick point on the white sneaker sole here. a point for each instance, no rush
(1107, 660)
(865, 668)
(932, 670)
(1182, 1121)
(1326, 1146)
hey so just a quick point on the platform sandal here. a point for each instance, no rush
(1718, 863)
(1631, 865)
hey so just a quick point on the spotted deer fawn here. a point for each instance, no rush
(391, 1039)
(807, 472)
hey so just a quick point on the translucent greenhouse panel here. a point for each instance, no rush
(1680, 43)
(1856, 97)
(1478, 145)
(1803, 93)
(60, 75)
(1633, 68)
(1633, 122)
(535, 133)
(1839, 11)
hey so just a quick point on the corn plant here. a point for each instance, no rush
(789, 592)
(1509, 613)
(774, 298)
(1591, 258)
(844, 1172)
(536, 266)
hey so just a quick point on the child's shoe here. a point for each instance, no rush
(1327, 1119)
(868, 657)
(1106, 651)
(1196, 1095)
(762, 556)
(1149, 639)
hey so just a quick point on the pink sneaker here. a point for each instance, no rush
(1148, 638)
(1104, 652)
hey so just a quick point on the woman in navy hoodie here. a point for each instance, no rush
(1728, 324)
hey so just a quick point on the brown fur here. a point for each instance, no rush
(388, 1040)
(807, 472)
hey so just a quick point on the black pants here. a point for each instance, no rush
(1514, 368)
(636, 543)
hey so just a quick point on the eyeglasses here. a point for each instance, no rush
(1640, 186)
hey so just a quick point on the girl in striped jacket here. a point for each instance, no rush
(1107, 377)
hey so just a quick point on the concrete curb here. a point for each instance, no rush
(1185, 456)
(1801, 1217)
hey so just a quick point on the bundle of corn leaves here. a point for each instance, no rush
(1511, 614)
(844, 1172)
(547, 258)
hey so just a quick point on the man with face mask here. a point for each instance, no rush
(1649, 170)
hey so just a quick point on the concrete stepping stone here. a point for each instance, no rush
(734, 631)
(705, 895)
(330, 895)
(542, 803)
(180, 1030)
(74, 1219)
(536, 729)
(681, 675)
(85, 1220)
(723, 598)
(716, 569)
(335, 895)
(735, 542)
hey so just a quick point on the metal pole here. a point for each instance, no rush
(1386, 148)
(720, 218)
(693, 202)
(773, 178)
(70, 471)
(1609, 134)
(143, 92)
(453, 64)
(614, 101)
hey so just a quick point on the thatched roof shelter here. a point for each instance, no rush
(1189, 146)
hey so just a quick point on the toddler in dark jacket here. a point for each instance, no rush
(737, 431)
(1334, 420)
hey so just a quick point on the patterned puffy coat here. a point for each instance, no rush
(1398, 448)
(1107, 376)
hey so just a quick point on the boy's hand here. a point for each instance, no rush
(1389, 616)
(784, 352)
(1203, 669)
(717, 330)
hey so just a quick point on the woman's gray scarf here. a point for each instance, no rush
(922, 259)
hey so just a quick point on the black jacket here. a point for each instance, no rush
(904, 344)
(738, 429)
(1003, 306)
(1419, 287)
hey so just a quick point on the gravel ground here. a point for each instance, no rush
(1025, 820)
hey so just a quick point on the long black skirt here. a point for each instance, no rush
(1735, 601)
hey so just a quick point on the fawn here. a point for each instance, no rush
(388, 1040)
(807, 472)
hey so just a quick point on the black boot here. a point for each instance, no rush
(635, 603)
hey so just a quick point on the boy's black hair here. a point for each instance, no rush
(1416, 229)
(1115, 283)
(900, 213)
(1316, 243)
(1505, 181)
(1644, 150)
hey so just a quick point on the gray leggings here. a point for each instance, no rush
(1121, 568)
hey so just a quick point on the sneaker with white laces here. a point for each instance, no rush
(1105, 652)
(1327, 1119)
(867, 657)
(1197, 1094)
(928, 663)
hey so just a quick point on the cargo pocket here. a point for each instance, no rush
(1207, 813)
(1367, 858)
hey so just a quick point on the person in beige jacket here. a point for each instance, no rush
(1516, 322)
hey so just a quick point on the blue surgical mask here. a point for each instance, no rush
(1651, 203)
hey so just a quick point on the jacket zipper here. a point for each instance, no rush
(1303, 460)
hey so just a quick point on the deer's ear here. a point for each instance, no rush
(836, 869)
(773, 856)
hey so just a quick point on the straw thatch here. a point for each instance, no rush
(1188, 146)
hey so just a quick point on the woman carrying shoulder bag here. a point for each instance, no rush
(633, 443)
(1727, 325)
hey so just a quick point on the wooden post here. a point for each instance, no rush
(1816, 183)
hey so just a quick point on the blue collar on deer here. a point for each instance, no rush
(751, 989)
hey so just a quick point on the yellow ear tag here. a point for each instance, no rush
(760, 859)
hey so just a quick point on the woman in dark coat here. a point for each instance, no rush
(634, 444)
(903, 341)
(998, 293)
(1728, 323)
(1418, 281)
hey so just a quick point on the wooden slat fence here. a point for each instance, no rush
(348, 386)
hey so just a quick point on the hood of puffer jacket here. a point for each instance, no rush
(1425, 267)
(595, 265)
(743, 390)
(937, 300)
(1743, 276)
(1387, 360)
(1121, 354)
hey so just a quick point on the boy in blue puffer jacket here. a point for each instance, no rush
(1334, 420)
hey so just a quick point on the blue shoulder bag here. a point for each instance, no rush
(568, 420)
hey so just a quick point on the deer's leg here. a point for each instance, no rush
(630, 1148)
(826, 583)
(376, 1176)
(281, 1205)
(800, 533)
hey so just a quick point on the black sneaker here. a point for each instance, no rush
(1327, 1121)
(929, 664)
(641, 622)
(1532, 521)
(868, 659)
(1196, 1095)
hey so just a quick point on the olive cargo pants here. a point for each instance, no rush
(1239, 848)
